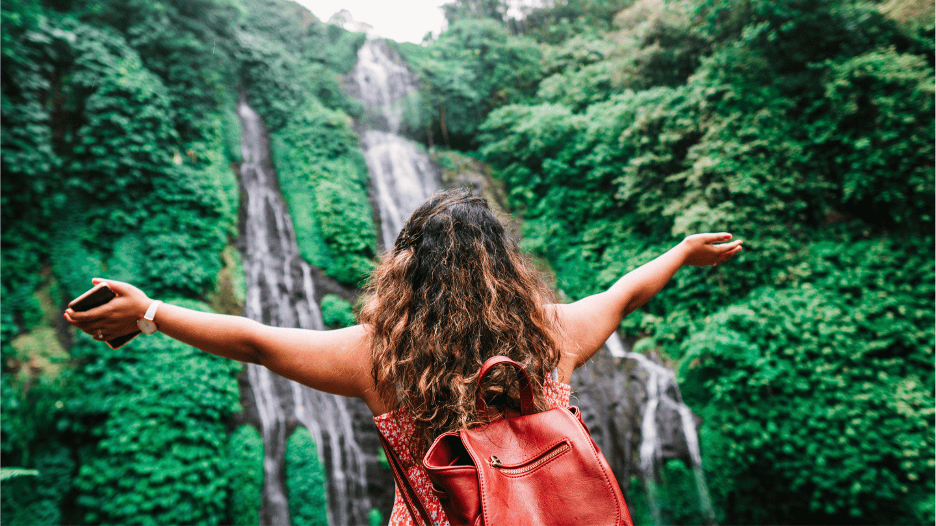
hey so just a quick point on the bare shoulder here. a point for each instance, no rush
(569, 350)
(359, 337)
(582, 328)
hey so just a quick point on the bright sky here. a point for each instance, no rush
(403, 21)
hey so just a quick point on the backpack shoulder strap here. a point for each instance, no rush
(406, 490)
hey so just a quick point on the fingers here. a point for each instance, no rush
(711, 238)
(88, 316)
(93, 328)
(119, 287)
(735, 247)
(90, 326)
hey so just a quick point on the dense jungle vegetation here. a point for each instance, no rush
(806, 128)
(119, 144)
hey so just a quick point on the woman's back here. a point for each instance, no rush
(453, 291)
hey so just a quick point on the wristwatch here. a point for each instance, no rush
(146, 323)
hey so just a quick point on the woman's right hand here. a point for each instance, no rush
(115, 318)
(701, 250)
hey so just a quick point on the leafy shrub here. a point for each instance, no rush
(876, 130)
(472, 68)
(324, 180)
(336, 312)
(245, 451)
(160, 409)
(348, 230)
(823, 390)
(305, 481)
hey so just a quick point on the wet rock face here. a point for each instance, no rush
(611, 411)
(634, 410)
(613, 395)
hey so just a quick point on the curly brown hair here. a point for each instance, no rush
(453, 291)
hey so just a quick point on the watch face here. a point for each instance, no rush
(147, 326)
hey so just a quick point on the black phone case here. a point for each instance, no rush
(98, 298)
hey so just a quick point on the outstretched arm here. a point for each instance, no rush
(333, 361)
(589, 322)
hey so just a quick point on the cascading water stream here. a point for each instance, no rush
(662, 389)
(281, 292)
(402, 174)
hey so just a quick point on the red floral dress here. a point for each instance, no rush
(397, 427)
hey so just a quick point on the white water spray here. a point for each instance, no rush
(661, 382)
(402, 174)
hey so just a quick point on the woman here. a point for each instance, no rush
(453, 291)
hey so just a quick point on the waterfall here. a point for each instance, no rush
(662, 392)
(281, 292)
(402, 174)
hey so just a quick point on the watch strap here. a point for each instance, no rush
(151, 311)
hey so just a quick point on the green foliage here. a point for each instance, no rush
(245, 451)
(347, 229)
(806, 129)
(27, 159)
(34, 388)
(576, 72)
(160, 409)
(876, 135)
(555, 22)
(119, 146)
(341, 52)
(189, 45)
(305, 481)
(324, 179)
(336, 312)
(822, 393)
(676, 496)
(270, 77)
(473, 67)
(656, 44)
(34, 496)
(475, 9)
(117, 141)
(286, 55)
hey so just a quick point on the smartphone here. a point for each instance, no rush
(97, 296)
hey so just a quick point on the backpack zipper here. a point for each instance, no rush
(498, 465)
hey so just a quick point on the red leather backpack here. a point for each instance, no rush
(531, 469)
